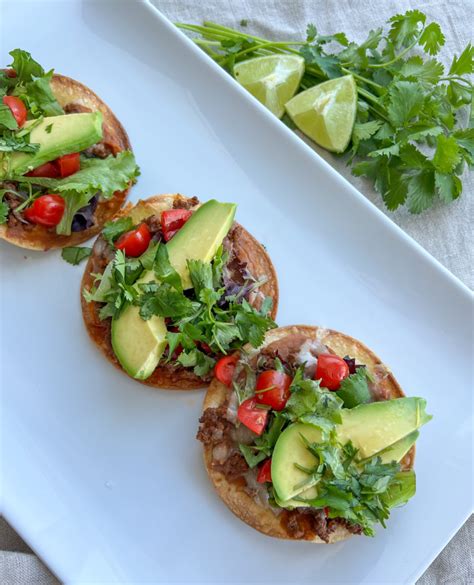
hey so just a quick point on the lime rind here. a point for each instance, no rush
(273, 80)
(326, 112)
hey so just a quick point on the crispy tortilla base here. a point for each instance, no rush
(69, 91)
(232, 493)
(247, 248)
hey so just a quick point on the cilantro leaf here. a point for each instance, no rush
(7, 119)
(354, 389)
(75, 254)
(165, 301)
(448, 187)
(420, 191)
(311, 33)
(406, 100)
(328, 64)
(263, 445)
(201, 363)
(405, 27)
(252, 324)
(366, 130)
(432, 38)
(113, 229)
(311, 404)
(415, 68)
(446, 156)
(164, 271)
(464, 64)
(12, 142)
(201, 275)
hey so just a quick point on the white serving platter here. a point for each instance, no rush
(101, 475)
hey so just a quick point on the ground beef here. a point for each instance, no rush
(185, 203)
(154, 225)
(233, 467)
(101, 150)
(214, 427)
(75, 108)
(352, 528)
(306, 523)
(101, 256)
(13, 201)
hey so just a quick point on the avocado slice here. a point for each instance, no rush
(388, 429)
(138, 344)
(56, 135)
(377, 425)
(200, 237)
(290, 448)
(398, 450)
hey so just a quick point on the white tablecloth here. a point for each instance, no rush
(445, 231)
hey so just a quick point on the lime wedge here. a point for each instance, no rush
(273, 80)
(326, 112)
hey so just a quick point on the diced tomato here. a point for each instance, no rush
(331, 370)
(17, 108)
(68, 164)
(49, 169)
(10, 73)
(47, 210)
(265, 472)
(252, 416)
(134, 242)
(173, 220)
(224, 368)
(278, 384)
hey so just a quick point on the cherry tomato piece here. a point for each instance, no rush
(278, 384)
(173, 220)
(331, 370)
(68, 164)
(224, 368)
(134, 242)
(49, 169)
(265, 472)
(11, 73)
(47, 210)
(17, 108)
(252, 416)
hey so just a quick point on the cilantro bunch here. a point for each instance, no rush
(202, 322)
(408, 139)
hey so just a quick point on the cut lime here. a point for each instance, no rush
(273, 80)
(326, 112)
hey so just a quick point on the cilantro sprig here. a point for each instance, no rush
(407, 138)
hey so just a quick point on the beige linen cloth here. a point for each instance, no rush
(444, 231)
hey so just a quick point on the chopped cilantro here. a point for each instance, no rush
(75, 254)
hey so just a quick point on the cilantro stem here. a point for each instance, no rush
(397, 57)
(458, 79)
(363, 79)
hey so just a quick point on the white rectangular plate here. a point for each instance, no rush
(102, 476)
